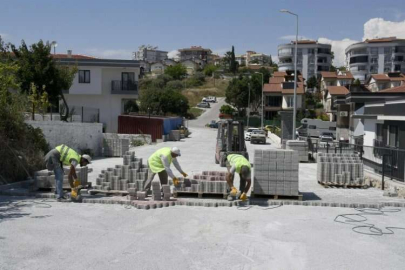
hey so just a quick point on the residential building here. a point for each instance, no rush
(312, 57)
(378, 82)
(104, 85)
(241, 59)
(259, 59)
(376, 56)
(332, 96)
(191, 66)
(149, 54)
(381, 124)
(158, 68)
(279, 94)
(337, 78)
(195, 52)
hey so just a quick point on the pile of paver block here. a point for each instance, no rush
(276, 172)
(301, 147)
(46, 179)
(174, 135)
(132, 174)
(340, 169)
(115, 147)
(206, 182)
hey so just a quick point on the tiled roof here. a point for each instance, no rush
(333, 74)
(304, 41)
(385, 39)
(338, 90)
(276, 80)
(381, 77)
(73, 56)
(398, 89)
(279, 74)
(272, 88)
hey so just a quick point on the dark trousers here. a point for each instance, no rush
(163, 177)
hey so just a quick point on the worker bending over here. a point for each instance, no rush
(159, 163)
(63, 155)
(239, 164)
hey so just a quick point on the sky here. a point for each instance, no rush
(114, 29)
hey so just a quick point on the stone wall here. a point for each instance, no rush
(78, 136)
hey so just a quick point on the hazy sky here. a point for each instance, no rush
(114, 29)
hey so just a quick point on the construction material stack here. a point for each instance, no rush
(276, 172)
(156, 192)
(46, 179)
(343, 170)
(209, 182)
(115, 147)
(132, 174)
(301, 147)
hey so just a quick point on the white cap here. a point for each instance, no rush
(87, 157)
(176, 151)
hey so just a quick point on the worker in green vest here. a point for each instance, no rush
(239, 164)
(64, 155)
(159, 163)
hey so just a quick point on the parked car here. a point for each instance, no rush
(258, 136)
(325, 138)
(210, 99)
(213, 124)
(248, 133)
(203, 105)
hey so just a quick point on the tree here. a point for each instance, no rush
(209, 69)
(38, 67)
(131, 106)
(237, 93)
(177, 72)
(163, 101)
(357, 82)
(226, 60)
(233, 66)
(312, 83)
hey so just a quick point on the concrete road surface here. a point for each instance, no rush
(50, 235)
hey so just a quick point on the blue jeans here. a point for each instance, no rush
(59, 181)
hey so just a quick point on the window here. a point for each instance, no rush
(290, 101)
(358, 59)
(311, 51)
(387, 50)
(379, 132)
(374, 50)
(374, 60)
(84, 76)
(274, 101)
(359, 68)
(332, 128)
(393, 136)
(128, 80)
(397, 68)
(312, 127)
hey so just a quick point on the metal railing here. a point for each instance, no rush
(84, 114)
(123, 86)
(381, 159)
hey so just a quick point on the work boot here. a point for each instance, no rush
(62, 199)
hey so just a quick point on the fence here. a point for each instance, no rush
(387, 161)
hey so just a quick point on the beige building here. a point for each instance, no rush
(195, 52)
(191, 66)
(379, 82)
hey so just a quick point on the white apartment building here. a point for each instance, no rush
(149, 54)
(312, 57)
(195, 53)
(102, 84)
(376, 56)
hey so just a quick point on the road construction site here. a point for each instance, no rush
(39, 233)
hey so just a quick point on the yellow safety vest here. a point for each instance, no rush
(154, 161)
(238, 161)
(67, 154)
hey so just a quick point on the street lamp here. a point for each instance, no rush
(295, 73)
(262, 97)
(54, 44)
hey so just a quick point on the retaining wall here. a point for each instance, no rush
(78, 136)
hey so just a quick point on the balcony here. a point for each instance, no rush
(124, 88)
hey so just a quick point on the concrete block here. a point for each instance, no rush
(141, 195)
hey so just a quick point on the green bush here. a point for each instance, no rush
(136, 143)
(319, 105)
(175, 85)
(226, 109)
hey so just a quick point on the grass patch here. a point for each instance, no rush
(195, 112)
(195, 94)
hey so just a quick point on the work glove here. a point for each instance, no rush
(233, 191)
(184, 174)
(243, 197)
(73, 194)
(176, 181)
(76, 183)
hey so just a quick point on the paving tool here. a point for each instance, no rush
(74, 194)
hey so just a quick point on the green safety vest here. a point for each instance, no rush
(154, 161)
(238, 161)
(67, 154)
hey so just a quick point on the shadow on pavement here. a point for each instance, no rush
(310, 196)
(13, 207)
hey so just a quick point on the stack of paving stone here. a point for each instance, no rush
(132, 174)
(276, 172)
(174, 135)
(166, 192)
(46, 179)
(206, 182)
(156, 192)
(340, 169)
(301, 147)
(115, 147)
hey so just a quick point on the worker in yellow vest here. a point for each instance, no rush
(63, 155)
(159, 163)
(239, 164)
